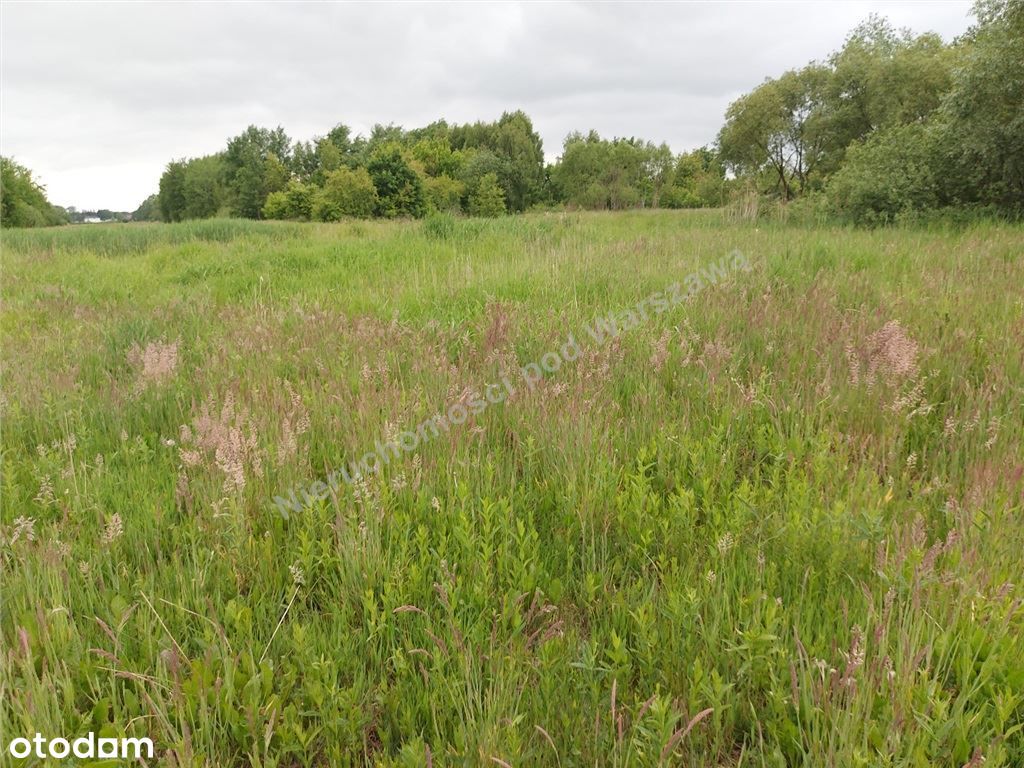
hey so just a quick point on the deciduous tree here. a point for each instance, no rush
(399, 187)
(488, 199)
(23, 200)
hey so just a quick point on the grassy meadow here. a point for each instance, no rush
(777, 525)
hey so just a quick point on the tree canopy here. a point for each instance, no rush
(23, 200)
(893, 124)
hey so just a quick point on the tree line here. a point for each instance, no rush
(480, 169)
(890, 126)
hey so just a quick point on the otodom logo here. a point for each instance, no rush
(86, 747)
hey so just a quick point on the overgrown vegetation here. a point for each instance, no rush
(23, 200)
(894, 125)
(778, 526)
(484, 170)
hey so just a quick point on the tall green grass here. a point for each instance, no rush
(777, 526)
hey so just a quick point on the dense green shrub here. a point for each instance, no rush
(294, 202)
(399, 187)
(892, 173)
(444, 193)
(345, 193)
(487, 199)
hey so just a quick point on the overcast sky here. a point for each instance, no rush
(96, 98)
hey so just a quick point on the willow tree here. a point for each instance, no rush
(778, 131)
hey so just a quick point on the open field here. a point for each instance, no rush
(779, 524)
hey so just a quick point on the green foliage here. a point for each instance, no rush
(511, 149)
(474, 164)
(441, 167)
(345, 193)
(116, 241)
(520, 147)
(276, 206)
(881, 79)
(399, 187)
(658, 172)
(204, 188)
(443, 193)
(193, 189)
(778, 131)
(446, 226)
(983, 113)
(939, 125)
(488, 199)
(295, 202)
(431, 168)
(696, 181)
(23, 201)
(149, 210)
(312, 161)
(436, 156)
(171, 196)
(256, 164)
(596, 173)
(891, 173)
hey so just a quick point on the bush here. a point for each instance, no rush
(399, 187)
(444, 193)
(810, 210)
(276, 206)
(679, 197)
(295, 202)
(487, 199)
(345, 192)
(891, 174)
